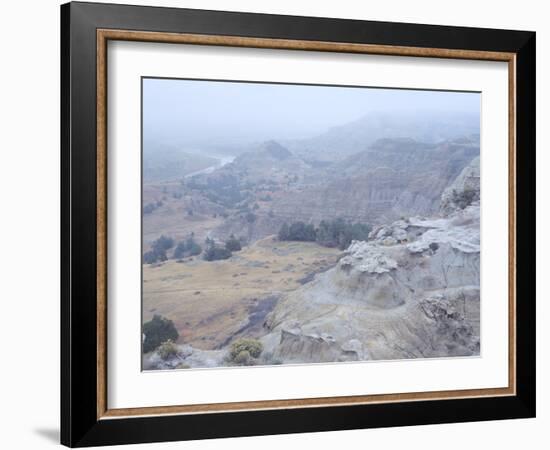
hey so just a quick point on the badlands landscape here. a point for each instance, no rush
(302, 224)
(359, 243)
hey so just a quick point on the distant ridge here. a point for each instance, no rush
(340, 142)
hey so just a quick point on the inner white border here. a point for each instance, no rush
(128, 387)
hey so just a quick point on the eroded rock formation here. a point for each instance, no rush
(411, 291)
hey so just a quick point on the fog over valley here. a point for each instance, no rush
(300, 224)
(210, 116)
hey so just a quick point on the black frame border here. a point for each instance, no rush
(79, 424)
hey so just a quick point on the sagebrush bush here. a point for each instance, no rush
(243, 358)
(168, 350)
(244, 350)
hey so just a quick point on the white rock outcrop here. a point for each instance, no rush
(464, 189)
(410, 291)
(367, 259)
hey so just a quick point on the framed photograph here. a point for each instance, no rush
(277, 224)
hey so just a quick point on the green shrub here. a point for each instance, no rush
(243, 358)
(244, 351)
(158, 250)
(283, 232)
(187, 248)
(233, 244)
(168, 350)
(158, 330)
(214, 253)
(297, 231)
(339, 233)
(163, 243)
(193, 248)
(223, 189)
(152, 257)
(464, 198)
(179, 251)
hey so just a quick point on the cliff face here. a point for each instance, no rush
(393, 178)
(464, 189)
(411, 291)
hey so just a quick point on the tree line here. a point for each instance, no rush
(215, 252)
(330, 233)
(189, 247)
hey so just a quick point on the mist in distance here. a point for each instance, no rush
(198, 115)
(293, 224)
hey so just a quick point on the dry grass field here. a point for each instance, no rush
(211, 302)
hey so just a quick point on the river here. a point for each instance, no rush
(222, 160)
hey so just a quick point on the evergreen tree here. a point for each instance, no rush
(158, 330)
(233, 244)
(284, 232)
(187, 248)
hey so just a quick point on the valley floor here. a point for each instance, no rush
(212, 303)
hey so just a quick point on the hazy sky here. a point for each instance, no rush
(194, 112)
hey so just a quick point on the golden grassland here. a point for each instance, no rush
(210, 301)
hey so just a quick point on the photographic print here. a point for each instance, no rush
(256, 205)
(300, 224)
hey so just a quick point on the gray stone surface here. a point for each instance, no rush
(411, 291)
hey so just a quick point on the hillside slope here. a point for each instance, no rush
(411, 291)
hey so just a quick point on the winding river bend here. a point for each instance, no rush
(221, 161)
